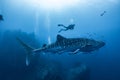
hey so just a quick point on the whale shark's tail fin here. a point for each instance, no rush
(29, 50)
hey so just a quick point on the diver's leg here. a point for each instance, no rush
(65, 29)
(62, 30)
(64, 26)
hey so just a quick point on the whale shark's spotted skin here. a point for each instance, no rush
(72, 45)
(63, 45)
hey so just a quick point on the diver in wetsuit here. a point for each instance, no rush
(102, 14)
(70, 27)
(1, 18)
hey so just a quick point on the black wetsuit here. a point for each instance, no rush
(70, 27)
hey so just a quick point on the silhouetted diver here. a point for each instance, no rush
(102, 14)
(1, 18)
(70, 27)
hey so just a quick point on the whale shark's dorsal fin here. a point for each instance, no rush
(60, 38)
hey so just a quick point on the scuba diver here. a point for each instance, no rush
(70, 27)
(1, 18)
(102, 14)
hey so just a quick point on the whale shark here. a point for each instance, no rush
(63, 45)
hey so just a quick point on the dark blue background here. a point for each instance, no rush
(35, 27)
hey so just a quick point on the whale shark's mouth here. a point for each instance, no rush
(101, 44)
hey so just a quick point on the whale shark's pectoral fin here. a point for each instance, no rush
(74, 52)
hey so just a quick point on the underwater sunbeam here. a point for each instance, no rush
(49, 40)
(53, 4)
(36, 28)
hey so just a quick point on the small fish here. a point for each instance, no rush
(69, 27)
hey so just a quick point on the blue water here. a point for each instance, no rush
(36, 27)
